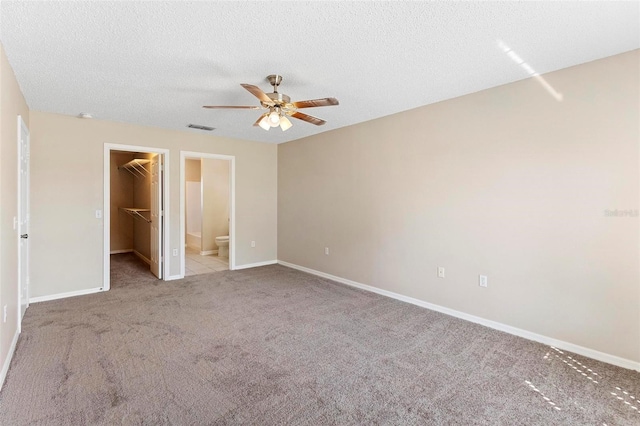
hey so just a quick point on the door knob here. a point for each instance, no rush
(25, 236)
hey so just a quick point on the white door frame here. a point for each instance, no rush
(108, 147)
(22, 281)
(184, 155)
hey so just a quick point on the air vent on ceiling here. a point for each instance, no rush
(201, 127)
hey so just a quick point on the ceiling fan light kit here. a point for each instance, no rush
(285, 123)
(280, 106)
(263, 122)
(274, 118)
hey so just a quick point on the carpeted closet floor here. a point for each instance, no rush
(274, 346)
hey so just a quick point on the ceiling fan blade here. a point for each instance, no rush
(308, 118)
(258, 93)
(231, 106)
(316, 103)
(257, 123)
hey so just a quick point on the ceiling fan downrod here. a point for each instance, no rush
(274, 80)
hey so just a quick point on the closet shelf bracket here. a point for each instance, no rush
(136, 213)
(136, 167)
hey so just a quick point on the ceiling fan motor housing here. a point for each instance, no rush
(278, 98)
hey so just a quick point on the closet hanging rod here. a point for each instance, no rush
(136, 167)
(136, 213)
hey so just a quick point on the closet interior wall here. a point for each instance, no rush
(121, 196)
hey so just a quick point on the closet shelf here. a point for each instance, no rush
(136, 167)
(136, 213)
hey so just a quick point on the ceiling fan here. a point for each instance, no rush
(279, 106)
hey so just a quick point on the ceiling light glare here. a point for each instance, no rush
(274, 118)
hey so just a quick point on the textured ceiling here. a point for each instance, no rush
(156, 63)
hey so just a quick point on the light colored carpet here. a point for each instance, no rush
(273, 345)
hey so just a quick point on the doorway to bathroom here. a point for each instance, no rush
(206, 212)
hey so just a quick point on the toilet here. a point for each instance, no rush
(223, 246)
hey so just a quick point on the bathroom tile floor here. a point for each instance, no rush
(196, 264)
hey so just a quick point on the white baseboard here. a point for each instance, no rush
(208, 252)
(65, 295)
(142, 257)
(121, 251)
(7, 361)
(255, 265)
(174, 277)
(580, 350)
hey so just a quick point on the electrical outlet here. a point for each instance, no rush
(253, 243)
(483, 281)
(326, 251)
(440, 272)
(4, 314)
(175, 252)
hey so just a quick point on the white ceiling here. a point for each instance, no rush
(156, 63)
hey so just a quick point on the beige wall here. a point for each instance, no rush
(121, 196)
(215, 205)
(192, 170)
(192, 173)
(12, 104)
(67, 188)
(507, 182)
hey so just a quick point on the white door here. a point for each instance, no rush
(156, 215)
(23, 215)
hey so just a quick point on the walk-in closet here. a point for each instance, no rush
(135, 216)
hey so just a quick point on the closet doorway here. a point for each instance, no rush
(207, 212)
(135, 203)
